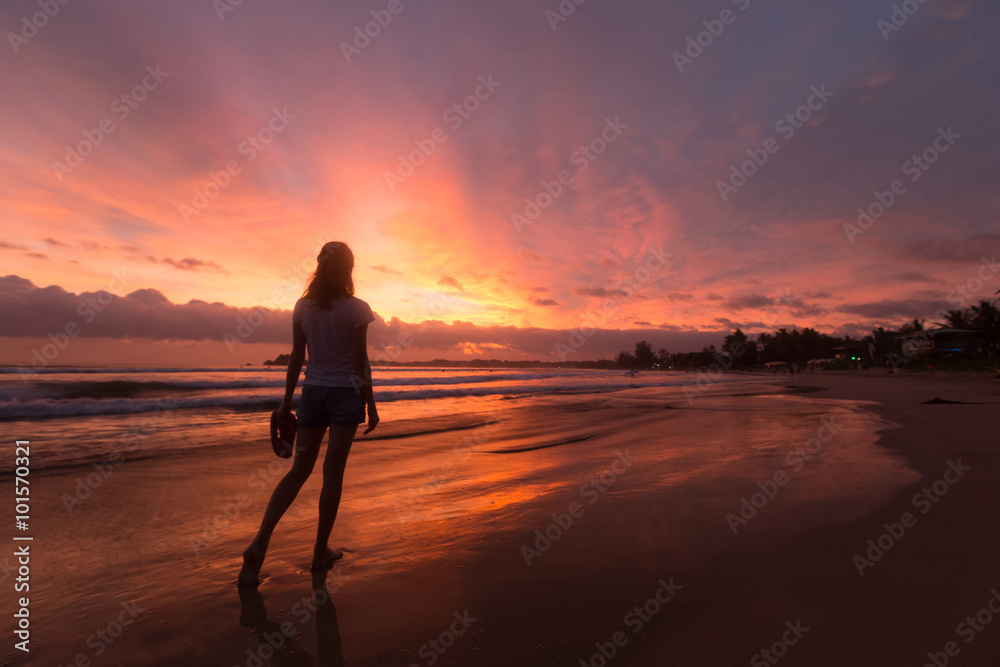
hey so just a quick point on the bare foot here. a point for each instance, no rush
(250, 572)
(325, 559)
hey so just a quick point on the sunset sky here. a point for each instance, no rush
(307, 130)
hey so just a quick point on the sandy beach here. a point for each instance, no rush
(566, 262)
(572, 530)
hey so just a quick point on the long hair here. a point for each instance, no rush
(332, 279)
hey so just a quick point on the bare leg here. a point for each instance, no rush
(341, 438)
(307, 444)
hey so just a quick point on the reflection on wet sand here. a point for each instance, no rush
(278, 643)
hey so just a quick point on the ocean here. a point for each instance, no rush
(147, 484)
(76, 415)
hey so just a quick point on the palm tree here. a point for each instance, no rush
(959, 319)
(985, 315)
(986, 318)
(883, 342)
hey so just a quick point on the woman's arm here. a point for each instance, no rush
(295, 362)
(363, 374)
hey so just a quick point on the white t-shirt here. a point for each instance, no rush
(328, 338)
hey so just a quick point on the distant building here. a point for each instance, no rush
(850, 352)
(941, 340)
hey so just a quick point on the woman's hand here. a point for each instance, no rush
(372, 419)
(285, 408)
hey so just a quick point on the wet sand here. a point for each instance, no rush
(444, 564)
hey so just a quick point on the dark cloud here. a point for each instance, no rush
(542, 302)
(914, 277)
(889, 310)
(16, 284)
(972, 249)
(94, 245)
(796, 306)
(746, 326)
(599, 292)
(30, 311)
(27, 310)
(746, 301)
(192, 264)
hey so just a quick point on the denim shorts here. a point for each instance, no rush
(320, 407)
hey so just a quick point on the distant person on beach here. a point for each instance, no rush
(332, 324)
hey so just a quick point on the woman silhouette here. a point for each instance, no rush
(332, 324)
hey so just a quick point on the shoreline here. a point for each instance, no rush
(461, 548)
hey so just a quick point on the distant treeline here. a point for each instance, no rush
(501, 363)
(979, 324)
(741, 351)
